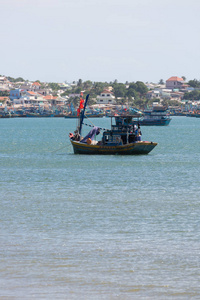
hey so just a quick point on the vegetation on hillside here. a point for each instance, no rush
(131, 93)
(193, 95)
(194, 83)
(18, 79)
(4, 93)
(54, 86)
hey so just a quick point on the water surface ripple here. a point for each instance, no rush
(98, 227)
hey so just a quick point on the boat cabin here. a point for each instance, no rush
(122, 133)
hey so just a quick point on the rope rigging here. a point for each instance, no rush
(93, 126)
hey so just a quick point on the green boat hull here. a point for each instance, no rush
(128, 149)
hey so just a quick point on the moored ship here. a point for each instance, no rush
(157, 116)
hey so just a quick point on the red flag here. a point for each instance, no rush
(81, 104)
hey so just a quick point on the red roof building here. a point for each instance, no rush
(36, 83)
(175, 78)
(50, 97)
(174, 82)
(31, 93)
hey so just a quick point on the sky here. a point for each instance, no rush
(100, 40)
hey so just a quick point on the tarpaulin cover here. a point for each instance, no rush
(95, 131)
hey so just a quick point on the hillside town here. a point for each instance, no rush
(20, 98)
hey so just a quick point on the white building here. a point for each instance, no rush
(106, 97)
(30, 97)
(153, 94)
(5, 84)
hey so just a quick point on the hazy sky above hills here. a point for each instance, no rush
(100, 40)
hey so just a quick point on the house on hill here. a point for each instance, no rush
(55, 100)
(153, 94)
(36, 83)
(19, 96)
(174, 82)
(106, 97)
(35, 87)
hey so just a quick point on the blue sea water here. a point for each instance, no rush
(98, 227)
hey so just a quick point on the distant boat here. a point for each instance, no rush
(87, 115)
(5, 115)
(118, 140)
(195, 113)
(157, 116)
(42, 114)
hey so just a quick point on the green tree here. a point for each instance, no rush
(4, 93)
(141, 88)
(80, 83)
(137, 91)
(174, 102)
(132, 93)
(194, 83)
(18, 79)
(161, 81)
(98, 87)
(77, 90)
(92, 94)
(119, 90)
(54, 86)
(87, 85)
(140, 103)
(193, 95)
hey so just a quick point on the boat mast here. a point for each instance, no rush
(82, 114)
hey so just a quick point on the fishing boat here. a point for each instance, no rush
(122, 138)
(157, 116)
(88, 114)
(194, 113)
